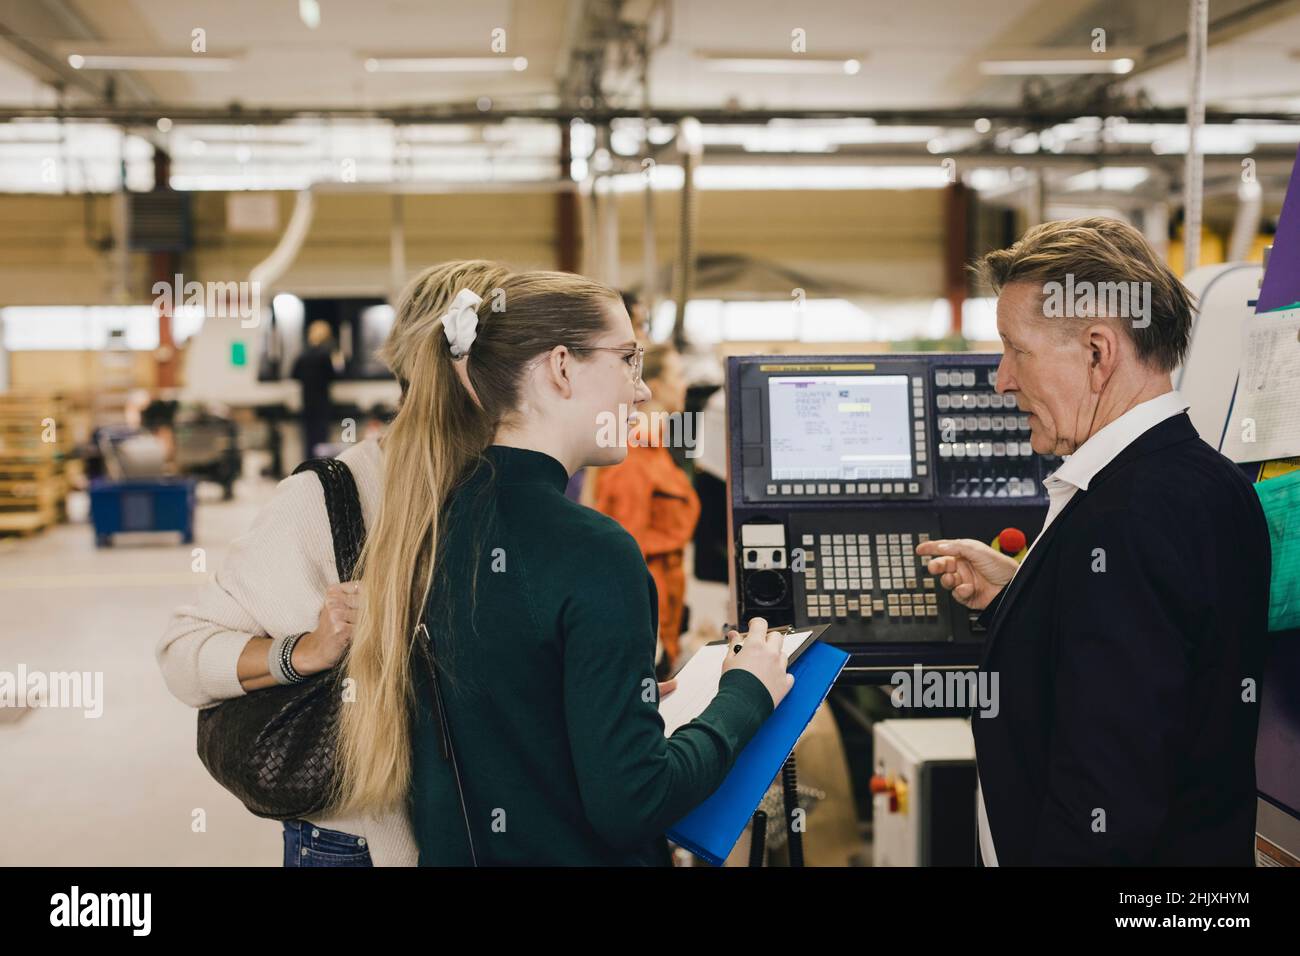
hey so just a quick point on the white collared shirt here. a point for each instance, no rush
(1075, 473)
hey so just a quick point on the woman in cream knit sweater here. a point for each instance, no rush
(279, 579)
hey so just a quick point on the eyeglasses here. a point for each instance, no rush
(636, 355)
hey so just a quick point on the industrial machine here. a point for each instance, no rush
(838, 466)
(1208, 380)
(923, 793)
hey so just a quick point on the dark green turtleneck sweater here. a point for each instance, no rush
(543, 619)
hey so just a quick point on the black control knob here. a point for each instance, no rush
(765, 588)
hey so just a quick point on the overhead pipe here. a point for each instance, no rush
(268, 272)
(1245, 226)
(396, 247)
(469, 114)
(691, 146)
(1193, 179)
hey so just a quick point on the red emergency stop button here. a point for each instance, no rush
(1011, 540)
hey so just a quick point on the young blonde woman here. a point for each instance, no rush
(540, 613)
(279, 581)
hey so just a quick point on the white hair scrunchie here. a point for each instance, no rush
(460, 321)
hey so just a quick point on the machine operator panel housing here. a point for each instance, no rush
(838, 466)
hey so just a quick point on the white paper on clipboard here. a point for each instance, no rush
(1265, 418)
(697, 683)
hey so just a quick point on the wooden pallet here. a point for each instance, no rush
(48, 492)
(33, 484)
(18, 468)
(26, 522)
(25, 441)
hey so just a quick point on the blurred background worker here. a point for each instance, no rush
(639, 315)
(314, 368)
(650, 496)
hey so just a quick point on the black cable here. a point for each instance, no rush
(790, 794)
(757, 838)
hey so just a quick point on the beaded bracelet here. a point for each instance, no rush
(279, 660)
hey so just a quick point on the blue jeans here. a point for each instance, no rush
(306, 844)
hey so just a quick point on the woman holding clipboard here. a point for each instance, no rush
(504, 656)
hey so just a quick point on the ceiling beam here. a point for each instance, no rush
(1230, 26)
(1032, 29)
(469, 113)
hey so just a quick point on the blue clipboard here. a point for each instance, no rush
(711, 830)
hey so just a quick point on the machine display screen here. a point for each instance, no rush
(840, 427)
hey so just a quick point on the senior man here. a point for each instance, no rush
(1131, 641)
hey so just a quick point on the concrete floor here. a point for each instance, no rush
(123, 789)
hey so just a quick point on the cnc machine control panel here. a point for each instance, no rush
(840, 465)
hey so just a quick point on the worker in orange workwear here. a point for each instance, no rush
(650, 496)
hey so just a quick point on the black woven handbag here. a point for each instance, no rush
(275, 748)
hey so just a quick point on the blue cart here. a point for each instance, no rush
(154, 504)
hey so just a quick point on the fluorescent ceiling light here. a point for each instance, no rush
(813, 137)
(820, 177)
(1054, 67)
(798, 63)
(447, 64)
(1108, 179)
(160, 64)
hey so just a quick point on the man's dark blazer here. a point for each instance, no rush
(1125, 648)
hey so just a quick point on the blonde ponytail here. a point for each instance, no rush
(438, 434)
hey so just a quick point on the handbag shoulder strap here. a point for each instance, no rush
(348, 530)
(343, 505)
